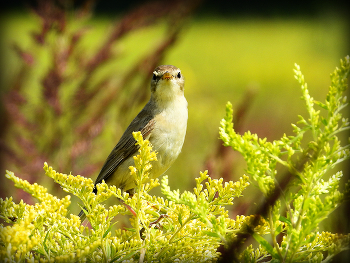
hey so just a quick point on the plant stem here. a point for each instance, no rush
(180, 228)
(142, 254)
(176, 232)
(103, 249)
(272, 230)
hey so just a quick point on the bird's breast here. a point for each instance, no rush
(168, 134)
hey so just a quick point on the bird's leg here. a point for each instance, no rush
(157, 221)
(129, 208)
(131, 193)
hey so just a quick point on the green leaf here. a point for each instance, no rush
(109, 230)
(211, 234)
(278, 230)
(128, 256)
(266, 245)
(324, 121)
(130, 229)
(285, 220)
(44, 243)
(179, 218)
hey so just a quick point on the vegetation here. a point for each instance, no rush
(190, 227)
(302, 198)
(254, 54)
(69, 85)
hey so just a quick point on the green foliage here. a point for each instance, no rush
(301, 208)
(70, 85)
(190, 226)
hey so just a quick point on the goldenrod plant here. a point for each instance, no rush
(191, 226)
(309, 193)
(183, 228)
(73, 78)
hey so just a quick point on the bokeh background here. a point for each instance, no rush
(75, 73)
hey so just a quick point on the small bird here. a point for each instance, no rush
(163, 121)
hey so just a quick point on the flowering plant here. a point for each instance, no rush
(191, 226)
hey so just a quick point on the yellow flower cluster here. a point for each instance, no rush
(161, 229)
(142, 167)
(18, 240)
(183, 227)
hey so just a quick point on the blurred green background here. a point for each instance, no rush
(223, 52)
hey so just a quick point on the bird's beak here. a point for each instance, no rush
(167, 76)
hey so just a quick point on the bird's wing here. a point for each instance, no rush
(126, 147)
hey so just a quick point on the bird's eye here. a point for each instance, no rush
(154, 77)
(179, 75)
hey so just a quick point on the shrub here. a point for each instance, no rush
(191, 226)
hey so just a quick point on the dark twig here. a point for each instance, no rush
(231, 253)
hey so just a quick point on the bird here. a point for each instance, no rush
(162, 121)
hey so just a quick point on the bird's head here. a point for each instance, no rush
(167, 83)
